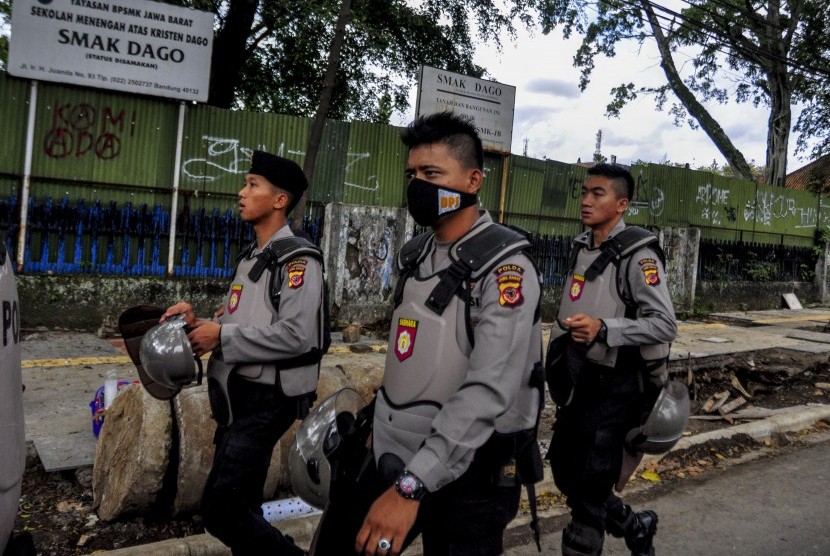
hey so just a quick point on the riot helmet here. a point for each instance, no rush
(665, 424)
(316, 443)
(167, 357)
(133, 323)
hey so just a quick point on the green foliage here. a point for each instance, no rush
(805, 273)
(766, 53)
(5, 15)
(386, 42)
(758, 270)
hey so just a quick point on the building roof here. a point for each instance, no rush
(814, 176)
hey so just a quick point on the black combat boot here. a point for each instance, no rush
(581, 540)
(639, 534)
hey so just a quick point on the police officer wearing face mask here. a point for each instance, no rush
(266, 347)
(616, 321)
(455, 419)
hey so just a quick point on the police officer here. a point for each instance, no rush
(264, 365)
(620, 320)
(457, 396)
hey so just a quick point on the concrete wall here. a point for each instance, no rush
(681, 248)
(715, 296)
(360, 245)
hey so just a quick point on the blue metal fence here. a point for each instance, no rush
(66, 237)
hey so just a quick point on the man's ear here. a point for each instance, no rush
(474, 181)
(622, 205)
(281, 200)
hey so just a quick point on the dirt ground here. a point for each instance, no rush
(56, 507)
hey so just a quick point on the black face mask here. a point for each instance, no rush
(428, 202)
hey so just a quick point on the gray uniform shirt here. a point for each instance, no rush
(644, 278)
(494, 395)
(294, 331)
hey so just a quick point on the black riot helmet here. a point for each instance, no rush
(665, 424)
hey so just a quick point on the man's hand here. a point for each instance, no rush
(204, 337)
(182, 307)
(583, 328)
(390, 517)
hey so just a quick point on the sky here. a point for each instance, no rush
(561, 123)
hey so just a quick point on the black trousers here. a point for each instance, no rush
(465, 518)
(588, 437)
(232, 499)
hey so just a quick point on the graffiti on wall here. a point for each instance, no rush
(648, 197)
(770, 205)
(223, 156)
(228, 156)
(715, 208)
(371, 183)
(82, 130)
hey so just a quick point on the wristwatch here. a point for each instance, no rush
(409, 486)
(602, 335)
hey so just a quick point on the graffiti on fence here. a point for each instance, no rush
(371, 184)
(228, 156)
(647, 197)
(225, 156)
(769, 205)
(81, 129)
(575, 185)
(715, 204)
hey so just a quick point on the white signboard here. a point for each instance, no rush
(488, 103)
(127, 45)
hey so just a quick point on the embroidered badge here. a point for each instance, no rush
(235, 297)
(405, 338)
(296, 272)
(510, 288)
(577, 285)
(646, 261)
(651, 276)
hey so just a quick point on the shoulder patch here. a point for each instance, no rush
(649, 260)
(650, 274)
(296, 272)
(510, 290)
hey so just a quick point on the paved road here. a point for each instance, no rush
(774, 506)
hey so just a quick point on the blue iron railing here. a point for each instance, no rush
(67, 237)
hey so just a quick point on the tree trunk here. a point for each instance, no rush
(228, 52)
(740, 167)
(778, 133)
(318, 124)
(780, 93)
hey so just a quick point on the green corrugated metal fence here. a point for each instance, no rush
(106, 146)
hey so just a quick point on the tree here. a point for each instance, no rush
(283, 56)
(767, 43)
(5, 15)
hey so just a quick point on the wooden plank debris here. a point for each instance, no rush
(715, 401)
(736, 384)
(731, 406)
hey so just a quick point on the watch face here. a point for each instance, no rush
(409, 485)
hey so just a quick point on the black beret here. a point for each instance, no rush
(283, 173)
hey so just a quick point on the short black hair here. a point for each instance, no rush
(617, 173)
(453, 130)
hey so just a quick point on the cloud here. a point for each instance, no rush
(532, 114)
(553, 87)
